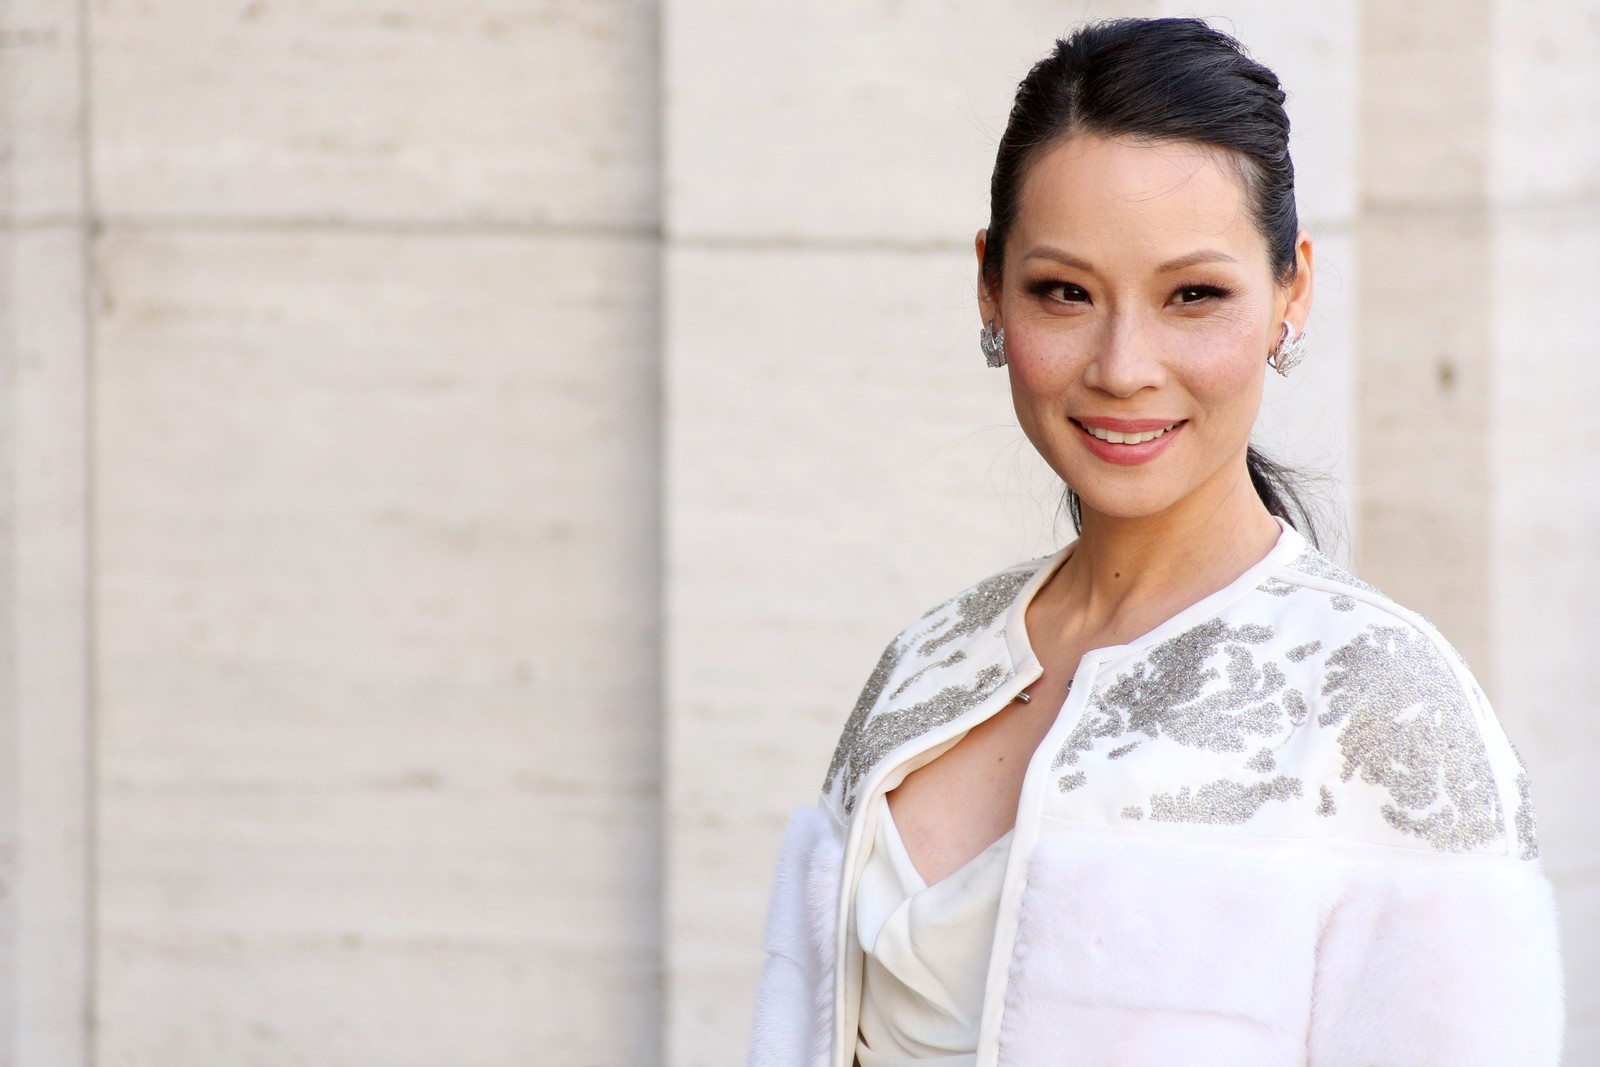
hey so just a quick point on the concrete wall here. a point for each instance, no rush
(459, 460)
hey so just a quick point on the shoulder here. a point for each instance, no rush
(1310, 706)
(943, 664)
(1402, 729)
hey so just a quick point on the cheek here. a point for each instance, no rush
(1043, 367)
(1226, 381)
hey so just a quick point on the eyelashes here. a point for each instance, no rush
(1183, 295)
(1193, 294)
(1070, 294)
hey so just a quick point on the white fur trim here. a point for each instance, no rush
(1448, 968)
(1139, 954)
(794, 1002)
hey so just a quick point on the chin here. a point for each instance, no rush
(1126, 502)
(1123, 509)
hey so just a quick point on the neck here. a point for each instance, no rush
(1127, 575)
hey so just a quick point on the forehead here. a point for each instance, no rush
(1124, 196)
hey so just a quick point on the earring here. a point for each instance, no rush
(993, 343)
(1288, 352)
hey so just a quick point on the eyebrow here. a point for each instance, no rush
(1066, 259)
(1205, 255)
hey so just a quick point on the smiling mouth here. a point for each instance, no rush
(1118, 437)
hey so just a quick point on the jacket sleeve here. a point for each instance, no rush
(1453, 966)
(794, 1001)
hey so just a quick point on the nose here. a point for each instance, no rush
(1126, 358)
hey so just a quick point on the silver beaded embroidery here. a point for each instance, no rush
(871, 732)
(1409, 728)
(1276, 587)
(888, 730)
(1221, 802)
(1317, 565)
(1133, 811)
(1527, 824)
(949, 661)
(1343, 603)
(1298, 653)
(1326, 807)
(865, 702)
(1262, 762)
(1070, 781)
(1294, 705)
(978, 607)
(1122, 750)
(1164, 694)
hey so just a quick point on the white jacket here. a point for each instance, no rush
(1282, 828)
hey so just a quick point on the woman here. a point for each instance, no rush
(1185, 792)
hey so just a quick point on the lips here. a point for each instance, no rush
(1128, 441)
(1118, 437)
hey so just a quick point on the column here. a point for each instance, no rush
(45, 929)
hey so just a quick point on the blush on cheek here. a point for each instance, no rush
(1044, 367)
(1220, 371)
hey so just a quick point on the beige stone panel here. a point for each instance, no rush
(418, 110)
(44, 798)
(1421, 486)
(1423, 481)
(841, 121)
(1426, 93)
(44, 712)
(1546, 106)
(41, 176)
(839, 460)
(781, 126)
(1545, 512)
(376, 624)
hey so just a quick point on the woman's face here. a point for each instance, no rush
(1139, 308)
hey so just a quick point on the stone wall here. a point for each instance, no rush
(375, 493)
(348, 345)
(458, 461)
(1479, 500)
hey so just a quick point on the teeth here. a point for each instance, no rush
(1116, 437)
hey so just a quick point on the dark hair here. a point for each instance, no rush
(1161, 80)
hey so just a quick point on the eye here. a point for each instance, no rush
(1194, 294)
(1060, 292)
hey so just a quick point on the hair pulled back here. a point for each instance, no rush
(1169, 79)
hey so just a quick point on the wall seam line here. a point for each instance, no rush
(91, 846)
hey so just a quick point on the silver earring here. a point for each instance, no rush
(993, 343)
(1288, 352)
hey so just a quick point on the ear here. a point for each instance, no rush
(1297, 294)
(988, 304)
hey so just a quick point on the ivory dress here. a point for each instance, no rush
(927, 953)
